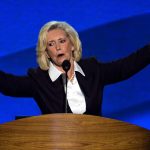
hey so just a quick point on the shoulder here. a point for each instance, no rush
(37, 72)
(88, 61)
(89, 64)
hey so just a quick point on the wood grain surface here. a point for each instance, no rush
(68, 131)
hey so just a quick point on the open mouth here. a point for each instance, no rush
(60, 55)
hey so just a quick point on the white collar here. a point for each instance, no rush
(54, 73)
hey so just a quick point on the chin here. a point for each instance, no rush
(60, 60)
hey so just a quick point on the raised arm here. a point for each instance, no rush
(17, 86)
(124, 68)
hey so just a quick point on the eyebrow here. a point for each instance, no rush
(58, 39)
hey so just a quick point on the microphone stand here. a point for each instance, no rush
(66, 101)
(66, 66)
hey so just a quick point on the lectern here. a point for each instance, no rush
(69, 131)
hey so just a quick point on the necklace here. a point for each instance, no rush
(72, 78)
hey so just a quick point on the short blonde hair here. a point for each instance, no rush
(42, 58)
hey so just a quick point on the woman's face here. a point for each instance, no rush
(59, 47)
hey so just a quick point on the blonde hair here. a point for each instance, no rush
(42, 58)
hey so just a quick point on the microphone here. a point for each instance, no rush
(66, 66)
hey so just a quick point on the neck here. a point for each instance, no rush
(71, 70)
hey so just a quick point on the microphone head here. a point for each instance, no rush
(66, 65)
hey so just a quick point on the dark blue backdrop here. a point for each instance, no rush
(108, 29)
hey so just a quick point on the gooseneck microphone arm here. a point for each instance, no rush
(66, 66)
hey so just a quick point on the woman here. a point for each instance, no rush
(58, 41)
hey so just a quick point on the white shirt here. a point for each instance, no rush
(75, 96)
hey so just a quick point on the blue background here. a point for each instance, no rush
(108, 30)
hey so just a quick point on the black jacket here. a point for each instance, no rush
(50, 95)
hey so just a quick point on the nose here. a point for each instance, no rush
(57, 46)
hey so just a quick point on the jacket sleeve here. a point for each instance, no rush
(16, 86)
(124, 68)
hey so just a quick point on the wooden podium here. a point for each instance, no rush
(68, 131)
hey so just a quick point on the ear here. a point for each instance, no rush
(72, 48)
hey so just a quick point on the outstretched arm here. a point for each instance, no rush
(124, 68)
(17, 86)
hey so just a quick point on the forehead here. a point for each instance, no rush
(55, 34)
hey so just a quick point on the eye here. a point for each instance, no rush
(62, 40)
(51, 44)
